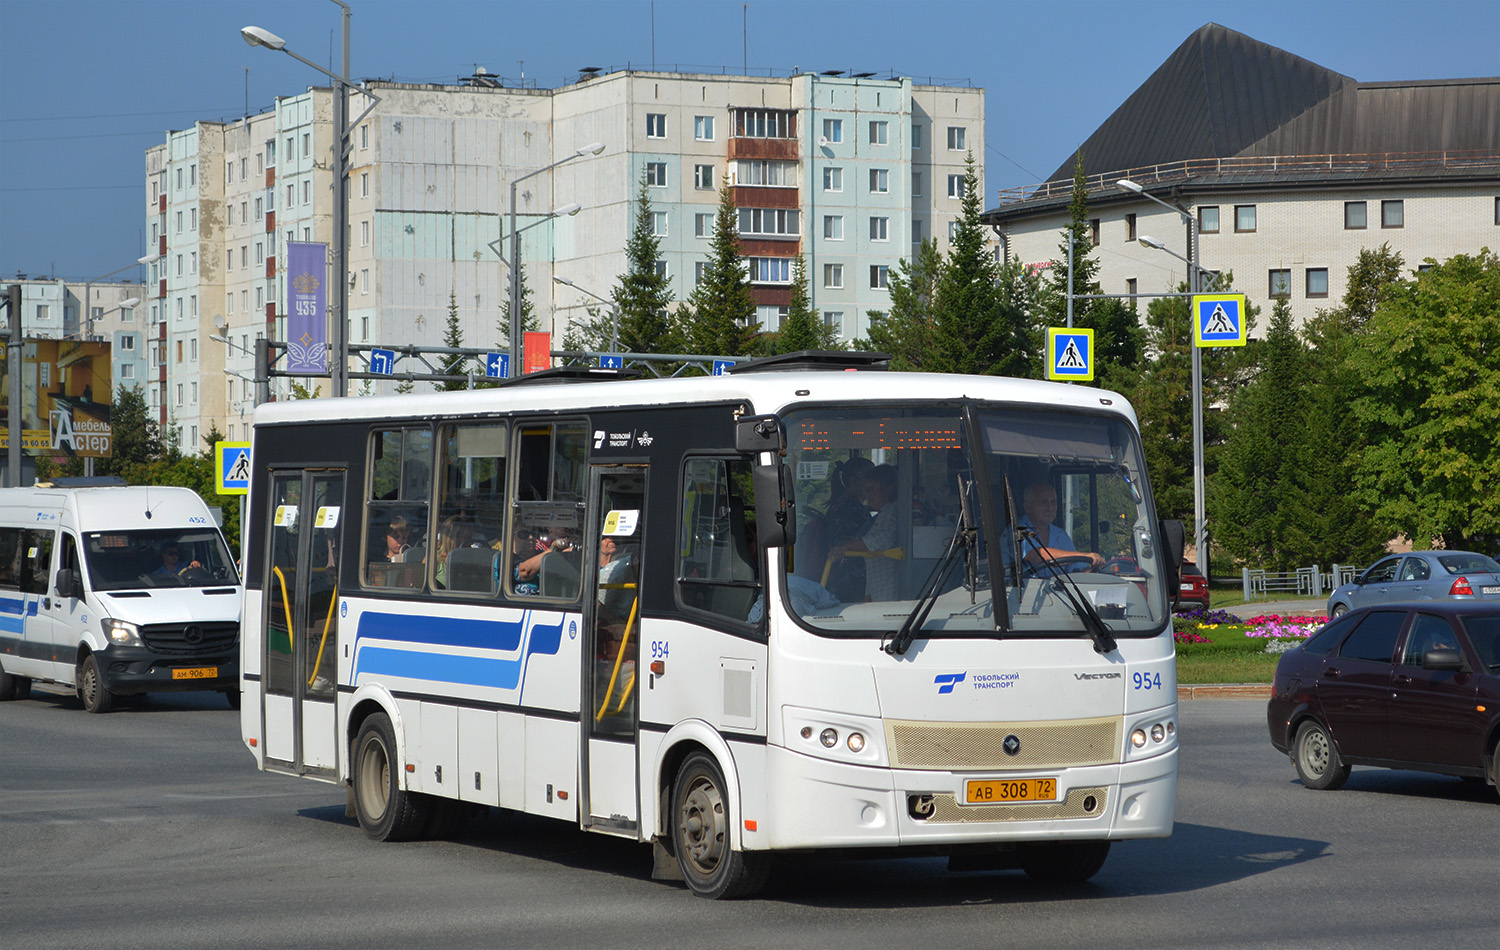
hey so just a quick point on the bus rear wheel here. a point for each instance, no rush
(700, 835)
(1064, 862)
(386, 812)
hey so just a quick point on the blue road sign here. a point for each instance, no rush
(1219, 320)
(497, 365)
(383, 362)
(232, 467)
(1070, 354)
(722, 366)
(612, 361)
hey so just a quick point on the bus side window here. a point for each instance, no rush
(547, 517)
(395, 546)
(718, 568)
(471, 508)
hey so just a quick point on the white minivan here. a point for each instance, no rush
(115, 590)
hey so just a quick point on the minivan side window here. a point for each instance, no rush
(25, 559)
(1375, 637)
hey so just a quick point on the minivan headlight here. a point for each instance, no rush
(121, 633)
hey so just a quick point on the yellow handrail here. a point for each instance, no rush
(327, 625)
(286, 606)
(895, 554)
(620, 655)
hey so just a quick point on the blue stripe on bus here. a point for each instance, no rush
(13, 614)
(461, 669)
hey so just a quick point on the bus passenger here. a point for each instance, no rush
(882, 573)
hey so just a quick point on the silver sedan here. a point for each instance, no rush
(1420, 575)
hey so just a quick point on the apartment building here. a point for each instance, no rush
(1286, 169)
(847, 171)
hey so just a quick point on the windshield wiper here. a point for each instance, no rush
(1104, 642)
(965, 538)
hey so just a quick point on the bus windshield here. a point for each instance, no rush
(167, 557)
(975, 520)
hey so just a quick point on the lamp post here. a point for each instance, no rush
(593, 148)
(1195, 285)
(339, 342)
(614, 309)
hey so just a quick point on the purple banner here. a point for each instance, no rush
(307, 309)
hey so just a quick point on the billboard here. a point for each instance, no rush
(65, 398)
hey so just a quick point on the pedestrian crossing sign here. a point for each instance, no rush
(232, 467)
(1219, 320)
(1070, 354)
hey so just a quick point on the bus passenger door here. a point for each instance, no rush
(617, 501)
(301, 664)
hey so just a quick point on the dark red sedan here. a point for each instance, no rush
(1401, 686)
(1193, 586)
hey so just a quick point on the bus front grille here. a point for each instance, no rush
(187, 639)
(951, 746)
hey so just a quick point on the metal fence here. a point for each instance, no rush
(1303, 582)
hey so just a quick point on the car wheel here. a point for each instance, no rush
(91, 689)
(1317, 759)
(700, 835)
(1337, 611)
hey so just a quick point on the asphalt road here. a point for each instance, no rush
(149, 827)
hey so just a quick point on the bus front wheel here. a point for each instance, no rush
(386, 811)
(700, 835)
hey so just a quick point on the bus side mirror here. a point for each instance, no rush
(756, 434)
(1173, 541)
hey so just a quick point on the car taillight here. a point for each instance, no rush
(1461, 587)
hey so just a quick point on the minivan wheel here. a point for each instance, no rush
(91, 689)
(1317, 759)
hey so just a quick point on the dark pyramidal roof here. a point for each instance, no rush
(1223, 94)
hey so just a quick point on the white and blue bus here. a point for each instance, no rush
(808, 605)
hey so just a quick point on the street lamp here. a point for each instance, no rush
(256, 36)
(614, 334)
(1195, 285)
(593, 148)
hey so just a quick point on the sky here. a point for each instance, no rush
(86, 86)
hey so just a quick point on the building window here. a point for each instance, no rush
(834, 320)
(193, 350)
(1392, 214)
(1497, 213)
(770, 270)
(1093, 232)
(833, 227)
(1131, 288)
(364, 184)
(878, 276)
(916, 184)
(364, 135)
(916, 136)
(757, 172)
(1208, 220)
(955, 186)
(833, 180)
(1244, 218)
(955, 138)
(703, 225)
(306, 144)
(259, 208)
(229, 259)
(656, 174)
(1130, 227)
(307, 192)
(833, 131)
(658, 224)
(656, 125)
(703, 128)
(880, 229)
(879, 133)
(1355, 216)
(699, 268)
(364, 281)
(179, 222)
(776, 222)
(703, 177)
(660, 267)
(880, 181)
(952, 231)
(833, 276)
(1317, 281)
(127, 371)
(916, 230)
(1280, 283)
(364, 234)
(764, 124)
(260, 252)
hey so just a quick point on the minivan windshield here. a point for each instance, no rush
(166, 557)
(903, 521)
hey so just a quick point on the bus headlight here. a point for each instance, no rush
(121, 633)
(829, 738)
(835, 736)
(1152, 736)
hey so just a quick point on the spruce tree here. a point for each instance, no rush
(644, 294)
(453, 336)
(528, 310)
(802, 329)
(968, 335)
(719, 319)
(905, 330)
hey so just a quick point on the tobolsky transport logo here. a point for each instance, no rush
(946, 681)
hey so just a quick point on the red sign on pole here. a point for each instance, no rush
(538, 351)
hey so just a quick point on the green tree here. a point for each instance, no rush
(1163, 403)
(528, 309)
(644, 293)
(135, 437)
(905, 330)
(802, 329)
(968, 335)
(719, 319)
(453, 364)
(1430, 404)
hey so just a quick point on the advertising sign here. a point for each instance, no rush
(307, 309)
(538, 351)
(65, 398)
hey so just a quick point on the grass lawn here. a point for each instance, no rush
(1231, 658)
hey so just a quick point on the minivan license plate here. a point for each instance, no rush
(1010, 791)
(196, 673)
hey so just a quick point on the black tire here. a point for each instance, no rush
(1338, 611)
(1495, 768)
(445, 817)
(386, 812)
(22, 687)
(92, 691)
(701, 835)
(1316, 758)
(232, 696)
(1064, 862)
(13, 686)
